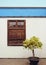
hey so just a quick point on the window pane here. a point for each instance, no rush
(12, 23)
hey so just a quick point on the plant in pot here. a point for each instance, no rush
(33, 43)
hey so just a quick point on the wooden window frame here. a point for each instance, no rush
(19, 29)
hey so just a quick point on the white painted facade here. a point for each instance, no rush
(34, 27)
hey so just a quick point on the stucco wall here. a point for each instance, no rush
(34, 26)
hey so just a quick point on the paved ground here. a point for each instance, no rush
(5, 61)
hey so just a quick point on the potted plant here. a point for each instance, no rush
(33, 43)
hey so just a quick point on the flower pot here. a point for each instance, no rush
(34, 60)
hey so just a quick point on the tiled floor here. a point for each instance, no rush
(19, 62)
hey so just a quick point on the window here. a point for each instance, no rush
(16, 32)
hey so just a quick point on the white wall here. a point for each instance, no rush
(34, 26)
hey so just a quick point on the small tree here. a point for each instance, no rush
(32, 43)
